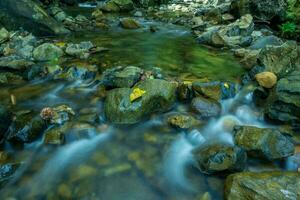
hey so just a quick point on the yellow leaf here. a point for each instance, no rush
(60, 44)
(226, 85)
(137, 93)
(187, 82)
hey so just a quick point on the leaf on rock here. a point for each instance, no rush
(136, 94)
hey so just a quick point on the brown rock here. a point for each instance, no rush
(266, 79)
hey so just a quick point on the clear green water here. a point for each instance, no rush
(129, 163)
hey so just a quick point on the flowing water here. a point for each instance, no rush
(146, 161)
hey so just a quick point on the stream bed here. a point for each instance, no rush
(146, 161)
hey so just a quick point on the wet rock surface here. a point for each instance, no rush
(220, 158)
(264, 142)
(159, 96)
(265, 185)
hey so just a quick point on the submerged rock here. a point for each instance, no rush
(129, 23)
(118, 77)
(56, 135)
(159, 95)
(264, 185)
(206, 108)
(220, 158)
(266, 142)
(47, 52)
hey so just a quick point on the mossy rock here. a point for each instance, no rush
(160, 95)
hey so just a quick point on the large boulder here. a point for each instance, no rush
(31, 16)
(235, 34)
(220, 158)
(280, 60)
(265, 142)
(284, 102)
(159, 95)
(262, 10)
(263, 186)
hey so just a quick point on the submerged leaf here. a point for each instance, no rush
(137, 93)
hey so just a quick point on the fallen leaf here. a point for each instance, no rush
(226, 85)
(137, 93)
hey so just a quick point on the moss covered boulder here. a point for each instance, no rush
(264, 142)
(263, 186)
(158, 95)
(220, 158)
(47, 52)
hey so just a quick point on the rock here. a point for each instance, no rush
(80, 50)
(55, 136)
(4, 35)
(7, 171)
(284, 102)
(121, 77)
(10, 78)
(31, 16)
(15, 62)
(214, 90)
(58, 13)
(57, 115)
(138, 14)
(266, 79)
(98, 15)
(280, 60)
(118, 6)
(184, 91)
(78, 73)
(248, 58)
(129, 23)
(235, 34)
(265, 41)
(262, 10)
(264, 185)
(47, 52)
(6, 119)
(26, 128)
(264, 142)
(181, 121)
(206, 108)
(159, 95)
(220, 158)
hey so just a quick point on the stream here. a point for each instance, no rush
(146, 161)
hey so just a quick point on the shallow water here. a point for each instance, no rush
(146, 161)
